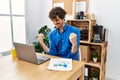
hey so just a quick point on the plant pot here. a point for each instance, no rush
(95, 60)
(94, 78)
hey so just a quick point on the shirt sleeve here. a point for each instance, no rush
(52, 48)
(78, 39)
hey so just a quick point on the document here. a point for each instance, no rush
(60, 64)
(80, 6)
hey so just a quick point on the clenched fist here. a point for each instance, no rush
(40, 37)
(73, 38)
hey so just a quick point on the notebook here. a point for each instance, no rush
(27, 53)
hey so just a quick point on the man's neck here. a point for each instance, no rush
(61, 28)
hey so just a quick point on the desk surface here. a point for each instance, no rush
(14, 69)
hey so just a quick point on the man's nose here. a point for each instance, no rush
(55, 22)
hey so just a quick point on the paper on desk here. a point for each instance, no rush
(60, 64)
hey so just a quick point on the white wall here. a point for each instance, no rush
(107, 13)
(37, 16)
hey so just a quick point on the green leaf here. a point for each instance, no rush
(94, 54)
(95, 74)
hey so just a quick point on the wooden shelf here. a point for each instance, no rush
(102, 48)
(92, 43)
(97, 64)
(87, 47)
(81, 20)
(85, 24)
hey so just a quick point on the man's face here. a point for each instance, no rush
(58, 22)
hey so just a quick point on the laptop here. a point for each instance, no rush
(27, 53)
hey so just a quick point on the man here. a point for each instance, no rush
(64, 39)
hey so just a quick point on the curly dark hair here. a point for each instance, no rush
(57, 11)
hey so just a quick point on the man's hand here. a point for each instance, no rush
(40, 38)
(72, 38)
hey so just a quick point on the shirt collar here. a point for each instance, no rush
(65, 28)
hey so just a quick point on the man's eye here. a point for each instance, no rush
(57, 20)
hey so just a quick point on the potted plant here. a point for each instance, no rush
(95, 75)
(44, 30)
(94, 56)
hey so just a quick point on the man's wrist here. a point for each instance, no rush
(74, 48)
(41, 42)
(74, 44)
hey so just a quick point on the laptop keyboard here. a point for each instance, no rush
(42, 57)
(40, 60)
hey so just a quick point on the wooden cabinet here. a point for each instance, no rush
(87, 48)
(86, 28)
(101, 49)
